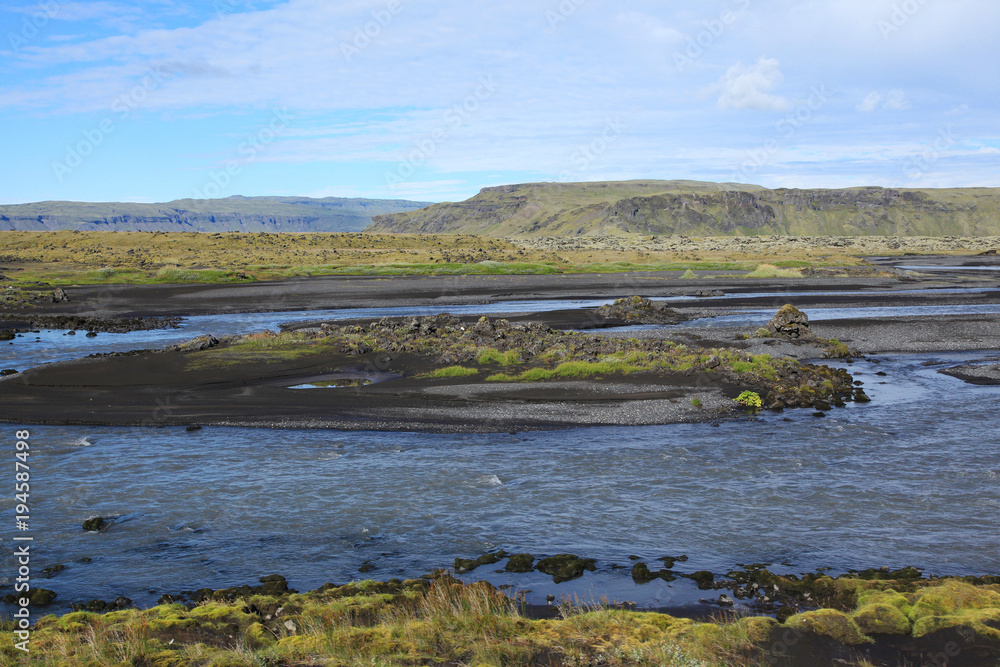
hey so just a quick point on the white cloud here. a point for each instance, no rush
(896, 101)
(748, 87)
(870, 103)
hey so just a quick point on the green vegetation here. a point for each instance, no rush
(438, 620)
(453, 372)
(750, 399)
(772, 271)
(491, 355)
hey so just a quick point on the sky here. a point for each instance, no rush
(115, 100)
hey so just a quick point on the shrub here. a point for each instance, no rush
(750, 399)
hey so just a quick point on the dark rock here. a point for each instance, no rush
(520, 563)
(59, 295)
(91, 334)
(463, 565)
(790, 322)
(641, 573)
(97, 605)
(193, 428)
(96, 524)
(52, 570)
(8, 371)
(366, 567)
(564, 567)
(195, 344)
(121, 602)
(7, 334)
(703, 578)
(637, 310)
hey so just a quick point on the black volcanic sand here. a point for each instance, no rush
(171, 388)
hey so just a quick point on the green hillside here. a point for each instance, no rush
(704, 209)
(233, 214)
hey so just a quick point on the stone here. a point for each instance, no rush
(790, 322)
(95, 524)
(564, 567)
(520, 563)
(59, 295)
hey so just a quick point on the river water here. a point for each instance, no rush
(911, 479)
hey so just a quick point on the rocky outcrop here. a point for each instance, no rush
(637, 310)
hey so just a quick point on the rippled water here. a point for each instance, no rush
(910, 479)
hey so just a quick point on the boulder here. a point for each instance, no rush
(637, 310)
(790, 322)
(196, 344)
(59, 295)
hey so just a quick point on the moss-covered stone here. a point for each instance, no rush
(881, 619)
(520, 563)
(957, 604)
(564, 567)
(829, 623)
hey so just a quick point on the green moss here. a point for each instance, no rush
(492, 355)
(956, 604)
(453, 372)
(829, 623)
(881, 619)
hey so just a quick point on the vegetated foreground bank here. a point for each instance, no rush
(432, 373)
(885, 619)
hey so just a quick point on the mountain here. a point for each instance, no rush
(697, 208)
(233, 214)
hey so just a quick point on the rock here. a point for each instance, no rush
(121, 602)
(637, 310)
(641, 573)
(564, 567)
(463, 565)
(58, 295)
(290, 626)
(520, 563)
(790, 322)
(7, 334)
(97, 605)
(8, 371)
(91, 334)
(195, 344)
(703, 578)
(52, 570)
(366, 567)
(192, 428)
(96, 524)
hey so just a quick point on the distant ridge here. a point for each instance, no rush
(233, 214)
(698, 208)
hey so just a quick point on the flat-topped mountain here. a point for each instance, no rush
(705, 209)
(233, 214)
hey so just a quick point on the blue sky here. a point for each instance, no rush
(152, 101)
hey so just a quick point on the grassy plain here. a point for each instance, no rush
(76, 258)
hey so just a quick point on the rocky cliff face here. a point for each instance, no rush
(705, 209)
(235, 214)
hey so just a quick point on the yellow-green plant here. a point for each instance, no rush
(750, 399)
